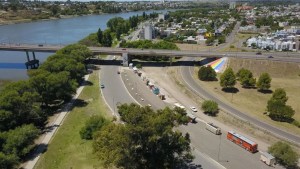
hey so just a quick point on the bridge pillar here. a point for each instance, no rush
(33, 64)
(27, 54)
(170, 58)
(126, 59)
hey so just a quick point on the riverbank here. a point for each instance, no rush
(11, 22)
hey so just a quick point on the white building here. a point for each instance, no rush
(148, 32)
(161, 17)
(232, 5)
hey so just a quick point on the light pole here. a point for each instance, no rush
(219, 148)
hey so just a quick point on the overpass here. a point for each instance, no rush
(126, 53)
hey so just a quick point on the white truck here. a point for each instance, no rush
(267, 158)
(213, 128)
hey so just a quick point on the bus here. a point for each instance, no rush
(242, 141)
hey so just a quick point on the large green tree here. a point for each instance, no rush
(277, 108)
(93, 124)
(264, 82)
(284, 154)
(228, 79)
(107, 38)
(147, 140)
(246, 78)
(100, 35)
(207, 73)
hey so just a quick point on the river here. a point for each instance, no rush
(60, 31)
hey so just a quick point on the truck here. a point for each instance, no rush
(242, 141)
(267, 158)
(191, 117)
(179, 105)
(213, 128)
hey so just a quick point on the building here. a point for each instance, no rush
(232, 5)
(148, 32)
(161, 17)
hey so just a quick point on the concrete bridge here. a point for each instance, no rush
(126, 53)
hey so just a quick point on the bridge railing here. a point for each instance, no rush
(31, 44)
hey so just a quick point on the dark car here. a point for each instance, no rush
(118, 72)
(270, 56)
(41, 45)
(102, 86)
(258, 53)
(123, 49)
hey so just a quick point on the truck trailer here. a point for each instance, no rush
(213, 128)
(242, 141)
(267, 158)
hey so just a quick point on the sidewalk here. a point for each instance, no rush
(42, 146)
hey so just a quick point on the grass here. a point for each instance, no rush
(67, 149)
(239, 38)
(284, 75)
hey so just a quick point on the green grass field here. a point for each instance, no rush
(284, 75)
(67, 150)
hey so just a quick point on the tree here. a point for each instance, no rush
(19, 141)
(284, 154)
(277, 108)
(147, 140)
(227, 79)
(107, 38)
(8, 161)
(92, 125)
(245, 76)
(100, 35)
(210, 107)
(264, 82)
(207, 73)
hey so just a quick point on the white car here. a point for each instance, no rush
(194, 109)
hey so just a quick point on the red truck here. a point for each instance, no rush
(242, 141)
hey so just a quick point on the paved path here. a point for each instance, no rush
(42, 146)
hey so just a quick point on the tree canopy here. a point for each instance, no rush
(147, 140)
(210, 107)
(228, 79)
(264, 82)
(284, 154)
(207, 73)
(277, 108)
(25, 105)
(246, 78)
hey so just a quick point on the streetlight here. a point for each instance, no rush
(219, 148)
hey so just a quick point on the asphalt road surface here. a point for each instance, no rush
(211, 151)
(192, 84)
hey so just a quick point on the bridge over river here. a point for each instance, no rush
(126, 53)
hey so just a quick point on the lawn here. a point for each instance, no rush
(67, 149)
(252, 102)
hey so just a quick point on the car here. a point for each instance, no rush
(40, 45)
(123, 49)
(270, 56)
(194, 109)
(258, 53)
(118, 72)
(102, 86)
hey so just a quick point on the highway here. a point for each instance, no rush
(211, 151)
(277, 56)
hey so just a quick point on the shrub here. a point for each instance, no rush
(93, 124)
(207, 73)
(210, 107)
